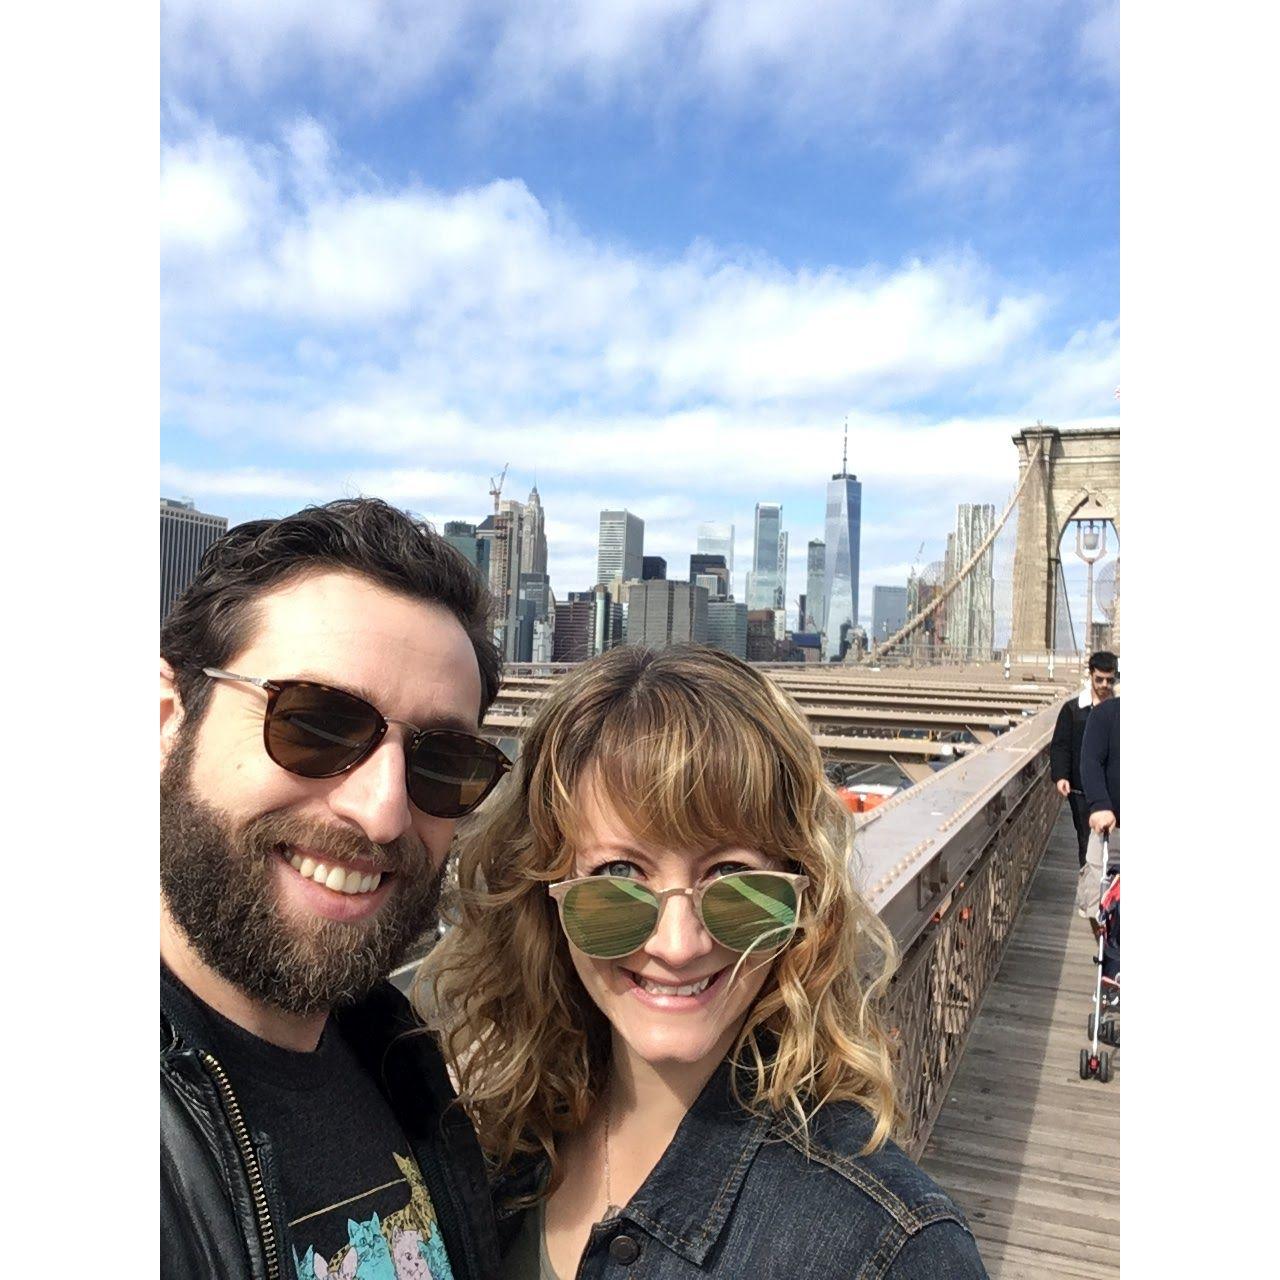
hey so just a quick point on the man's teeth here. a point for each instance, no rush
(688, 989)
(337, 878)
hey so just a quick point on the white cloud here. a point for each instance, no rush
(1100, 40)
(960, 167)
(826, 64)
(376, 49)
(442, 308)
(213, 190)
(1071, 381)
(239, 482)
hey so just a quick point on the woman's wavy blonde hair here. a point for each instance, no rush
(692, 749)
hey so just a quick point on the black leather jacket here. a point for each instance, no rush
(221, 1215)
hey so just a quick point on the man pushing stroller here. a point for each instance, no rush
(1098, 888)
(1100, 773)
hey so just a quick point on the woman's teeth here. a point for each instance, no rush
(336, 878)
(661, 989)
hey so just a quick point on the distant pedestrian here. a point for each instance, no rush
(1068, 735)
(1100, 769)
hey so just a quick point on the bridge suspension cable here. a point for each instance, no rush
(913, 624)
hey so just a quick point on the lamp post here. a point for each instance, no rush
(1091, 546)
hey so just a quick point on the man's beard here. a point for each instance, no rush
(219, 884)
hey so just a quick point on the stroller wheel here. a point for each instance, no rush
(1086, 1070)
(1090, 1031)
(1104, 1067)
(1110, 1032)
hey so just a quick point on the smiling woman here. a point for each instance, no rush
(659, 994)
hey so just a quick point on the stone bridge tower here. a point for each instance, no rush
(1077, 477)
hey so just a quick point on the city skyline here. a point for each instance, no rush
(574, 573)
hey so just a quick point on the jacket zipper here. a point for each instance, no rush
(256, 1188)
(444, 1201)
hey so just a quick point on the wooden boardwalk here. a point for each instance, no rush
(1029, 1150)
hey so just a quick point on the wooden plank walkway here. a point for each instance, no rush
(1029, 1150)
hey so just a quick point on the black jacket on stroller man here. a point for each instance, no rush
(1064, 761)
(1100, 767)
(1100, 758)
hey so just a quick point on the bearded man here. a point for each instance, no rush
(321, 685)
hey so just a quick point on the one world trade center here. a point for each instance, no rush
(844, 528)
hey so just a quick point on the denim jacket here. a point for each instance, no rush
(735, 1195)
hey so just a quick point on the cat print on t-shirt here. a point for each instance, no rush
(406, 1245)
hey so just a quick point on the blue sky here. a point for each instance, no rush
(654, 252)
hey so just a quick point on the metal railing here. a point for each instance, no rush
(947, 864)
(940, 986)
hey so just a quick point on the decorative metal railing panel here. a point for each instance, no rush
(940, 984)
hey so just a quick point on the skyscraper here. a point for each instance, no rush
(504, 532)
(662, 612)
(533, 607)
(706, 565)
(762, 581)
(971, 609)
(587, 624)
(762, 636)
(727, 626)
(922, 590)
(780, 591)
(185, 535)
(533, 538)
(844, 535)
(460, 534)
(780, 594)
(815, 601)
(621, 547)
(888, 612)
(717, 540)
(652, 568)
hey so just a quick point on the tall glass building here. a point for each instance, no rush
(762, 584)
(844, 533)
(727, 627)
(717, 540)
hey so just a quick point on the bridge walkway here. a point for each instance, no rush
(1029, 1150)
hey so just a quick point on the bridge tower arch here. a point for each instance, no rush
(1076, 477)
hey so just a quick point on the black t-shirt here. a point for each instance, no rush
(355, 1199)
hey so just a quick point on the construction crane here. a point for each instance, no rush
(495, 487)
(916, 561)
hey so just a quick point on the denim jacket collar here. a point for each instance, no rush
(686, 1200)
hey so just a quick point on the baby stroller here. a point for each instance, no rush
(1104, 1021)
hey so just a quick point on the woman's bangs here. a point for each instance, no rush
(682, 781)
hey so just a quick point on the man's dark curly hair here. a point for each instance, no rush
(216, 615)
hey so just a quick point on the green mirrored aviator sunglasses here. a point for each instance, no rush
(608, 917)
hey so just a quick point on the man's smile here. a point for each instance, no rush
(351, 877)
(342, 891)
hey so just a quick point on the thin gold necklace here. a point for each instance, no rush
(611, 1210)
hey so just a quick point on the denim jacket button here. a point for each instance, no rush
(623, 1249)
